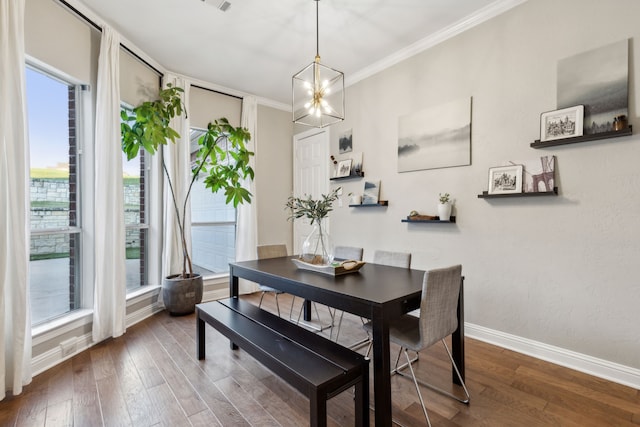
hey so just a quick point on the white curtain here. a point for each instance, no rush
(177, 160)
(15, 331)
(247, 217)
(110, 274)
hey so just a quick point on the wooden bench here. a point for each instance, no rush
(315, 366)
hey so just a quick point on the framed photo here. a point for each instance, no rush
(559, 124)
(505, 179)
(344, 168)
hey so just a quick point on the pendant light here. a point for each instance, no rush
(318, 92)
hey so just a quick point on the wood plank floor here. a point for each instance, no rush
(151, 377)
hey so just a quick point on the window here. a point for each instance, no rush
(135, 219)
(213, 225)
(55, 255)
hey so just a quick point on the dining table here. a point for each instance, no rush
(376, 292)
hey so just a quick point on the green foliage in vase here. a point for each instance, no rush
(310, 208)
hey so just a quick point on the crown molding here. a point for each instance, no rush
(488, 12)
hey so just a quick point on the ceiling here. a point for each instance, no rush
(256, 46)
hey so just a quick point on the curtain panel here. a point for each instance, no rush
(15, 318)
(247, 216)
(110, 270)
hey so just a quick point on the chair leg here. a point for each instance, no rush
(415, 382)
(434, 388)
(261, 298)
(277, 304)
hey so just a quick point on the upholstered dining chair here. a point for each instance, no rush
(271, 251)
(390, 258)
(438, 320)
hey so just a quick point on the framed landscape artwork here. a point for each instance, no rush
(437, 137)
(599, 80)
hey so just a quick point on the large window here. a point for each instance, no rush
(55, 259)
(135, 219)
(213, 226)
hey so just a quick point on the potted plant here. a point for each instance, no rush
(444, 206)
(317, 247)
(222, 166)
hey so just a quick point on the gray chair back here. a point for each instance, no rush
(440, 290)
(271, 251)
(393, 259)
(342, 253)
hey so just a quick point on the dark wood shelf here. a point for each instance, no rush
(343, 178)
(422, 221)
(584, 138)
(371, 205)
(486, 195)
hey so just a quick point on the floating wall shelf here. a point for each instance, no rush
(584, 138)
(342, 178)
(486, 195)
(451, 220)
(371, 205)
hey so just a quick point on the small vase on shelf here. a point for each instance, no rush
(444, 211)
(444, 207)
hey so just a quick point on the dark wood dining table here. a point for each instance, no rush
(377, 292)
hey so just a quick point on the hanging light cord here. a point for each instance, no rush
(317, 31)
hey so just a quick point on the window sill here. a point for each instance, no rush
(56, 327)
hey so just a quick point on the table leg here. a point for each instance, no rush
(307, 310)
(457, 339)
(200, 325)
(233, 293)
(381, 370)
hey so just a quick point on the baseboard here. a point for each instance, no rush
(580, 362)
(55, 356)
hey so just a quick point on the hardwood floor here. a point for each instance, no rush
(151, 377)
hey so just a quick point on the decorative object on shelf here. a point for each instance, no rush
(559, 124)
(538, 174)
(355, 199)
(505, 179)
(444, 206)
(437, 137)
(344, 168)
(334, 163)
(333, 269)
(318, 247)
(318, 91)
(371, 192)
(345, 142)
(599, 79)
(620, 123)
(356, 165)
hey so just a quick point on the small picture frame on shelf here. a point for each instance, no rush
(505, 179)
(560, 124)
(344, 168)
(371, 192)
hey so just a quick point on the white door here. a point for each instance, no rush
(310, 175)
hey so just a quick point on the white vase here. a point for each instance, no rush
(318, 246)
(444, 211)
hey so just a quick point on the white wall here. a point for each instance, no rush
(563, 270)
(274, 176)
